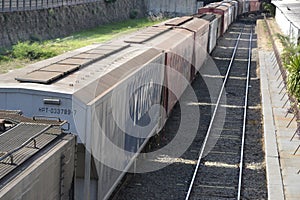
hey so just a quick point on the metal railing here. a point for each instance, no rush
(22, 5)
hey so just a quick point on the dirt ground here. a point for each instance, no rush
(264, 40)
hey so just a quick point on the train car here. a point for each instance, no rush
(96, 89)
(223, 12)
(220, 24)
(227, 18)
(213, 30)
(236, 7)
(105, 92)
(231, 15)
(254, 5)
(240, 6)
(179, 46)
(200, 29)
(246, 6)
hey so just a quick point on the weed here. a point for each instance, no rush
(32, 51)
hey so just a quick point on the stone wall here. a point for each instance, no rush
(172, 7)
(64, 20)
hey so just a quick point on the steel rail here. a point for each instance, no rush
(245, 116)
(213, 117)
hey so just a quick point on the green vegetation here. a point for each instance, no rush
(294, 76)
(291, 62)
(31, 51)
(269, 8)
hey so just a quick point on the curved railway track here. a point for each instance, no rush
(199, 186)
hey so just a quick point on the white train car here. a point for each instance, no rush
(97, 90)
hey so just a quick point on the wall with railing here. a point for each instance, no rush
(60, 21)
(21, 5)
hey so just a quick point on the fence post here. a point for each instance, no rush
(29, 4)
(10, 5)
(2, 5)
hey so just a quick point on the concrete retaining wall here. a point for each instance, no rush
(64, 20)
(172, 7)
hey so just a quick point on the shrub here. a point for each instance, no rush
(32, 51)
(289, 50)
(293, 82)
(269, 8)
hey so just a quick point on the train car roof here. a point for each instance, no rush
(177, 21)
(163, 37)
(95, 63)
(196, 25)
(207, 16)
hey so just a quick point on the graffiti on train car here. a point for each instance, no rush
(142, 100)
(144, 91)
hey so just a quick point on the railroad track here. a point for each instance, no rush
(219, 170)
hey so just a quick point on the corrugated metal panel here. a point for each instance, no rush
(201, 28)
(179, 46)
(75, 61)
(178, 21)
(225, 17)
(235, 8)
(60, 68)
(87, 56)
(147, 34)
(196, 25)
(207, 16)
(19, 134)
(231, 14)
(40, 77)
(220, 14)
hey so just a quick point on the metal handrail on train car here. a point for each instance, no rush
(213, 117)
(33, 138)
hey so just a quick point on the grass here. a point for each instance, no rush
(28, 52)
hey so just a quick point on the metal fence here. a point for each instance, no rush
(21, 5)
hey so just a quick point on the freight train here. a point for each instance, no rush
(106, 91)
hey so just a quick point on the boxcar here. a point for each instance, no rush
(213, 8)
(178, 44)
(200, 28)
(254, 5)
(230, 12)
(79, 87)
(236, 7)
(213, 30)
